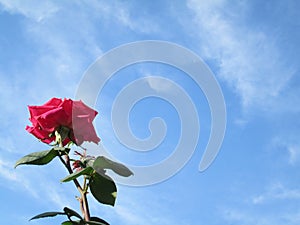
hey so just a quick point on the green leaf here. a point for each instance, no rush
(103, 188)
(67, 223)
(47, 214)
(72, 176)
(71, 212)
(97, 220)
(77, 222)
(102, 163)
(38, 158)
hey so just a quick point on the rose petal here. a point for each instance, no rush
(40, 134)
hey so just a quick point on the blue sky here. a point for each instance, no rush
(252, 47)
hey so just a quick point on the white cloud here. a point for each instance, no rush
(137, 207)
(140, 25)
(40, 186)
(275, 206)
(118, 13)
(67, 39)
(277, 192)
(59, 58)
(6, 172)
(129, 216)
(9, 174)
(288, 144)
(249, 59)
(248, 217)
(294, 153)
(241, 122)
(37, 10)
(235, 215)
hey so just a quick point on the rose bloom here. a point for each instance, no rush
(57, 113)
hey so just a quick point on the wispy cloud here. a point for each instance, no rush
(294, 152)
(9, 174)
(289, 145)
(37, 10)
(40, 186)
(236, 216)
(249, 59)
(278, 204)
(277, 192)
(129, 209)
(141, 25)
(62, 57)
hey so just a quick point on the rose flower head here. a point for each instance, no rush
(63, 114)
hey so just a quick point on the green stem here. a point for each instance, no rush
(84, 206)
(85, 203)
(66, 163)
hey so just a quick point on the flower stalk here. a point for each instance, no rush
(84, 206)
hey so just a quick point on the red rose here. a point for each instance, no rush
(56, 113)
